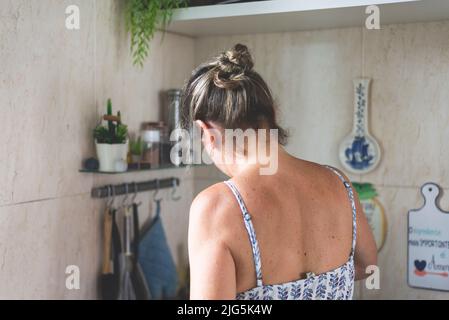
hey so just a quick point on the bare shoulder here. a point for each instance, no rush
(208, 201)
(212, 211)
(341, 173)
(327, 181)
(333, 173)
(354, 194)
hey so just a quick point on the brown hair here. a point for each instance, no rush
(229, 92)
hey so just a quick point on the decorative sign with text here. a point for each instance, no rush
(428, 243)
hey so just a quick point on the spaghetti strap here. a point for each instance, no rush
(351, 199)
(251, 232)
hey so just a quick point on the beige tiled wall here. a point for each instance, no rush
(54, 84)
(409, 65)
(311, 76)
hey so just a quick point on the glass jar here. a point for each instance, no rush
(151, 137)
(174, 109)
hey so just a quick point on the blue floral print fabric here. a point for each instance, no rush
(337, 284)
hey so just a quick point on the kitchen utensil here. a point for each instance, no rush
(110, 278)
(428, 242)
(126, 289)
(137, 276)
(359, 152)
(107, 278)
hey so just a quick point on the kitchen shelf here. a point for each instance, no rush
(297, 15)
(162, 167)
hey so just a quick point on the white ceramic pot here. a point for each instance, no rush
(112, 157)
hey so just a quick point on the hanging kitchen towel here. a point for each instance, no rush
(156, 260)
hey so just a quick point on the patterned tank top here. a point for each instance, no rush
(337, 284)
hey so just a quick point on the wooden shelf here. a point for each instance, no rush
(297, 15)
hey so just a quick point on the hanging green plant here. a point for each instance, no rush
(143, 19)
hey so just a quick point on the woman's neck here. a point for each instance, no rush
(264, 163)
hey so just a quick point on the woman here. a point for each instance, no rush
(286, 235)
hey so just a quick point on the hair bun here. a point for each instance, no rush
(236, 60)
(232, 65)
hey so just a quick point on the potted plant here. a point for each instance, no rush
(143, 19)
(136, 148)
(111, 142)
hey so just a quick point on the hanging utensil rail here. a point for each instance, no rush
(125, 188)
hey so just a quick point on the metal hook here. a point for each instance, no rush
(113, 195)
(157, 191)
(173, 197)
(133, 199)
(135, 192)
(108, 199)
(126, 196)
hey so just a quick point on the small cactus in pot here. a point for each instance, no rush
(111, 142)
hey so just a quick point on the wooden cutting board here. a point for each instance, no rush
(428, 242)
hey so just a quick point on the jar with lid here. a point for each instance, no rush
(151, 137)
(174, 109)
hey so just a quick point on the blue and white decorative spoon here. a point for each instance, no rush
(359, 152)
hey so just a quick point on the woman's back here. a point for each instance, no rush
(303, 221)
